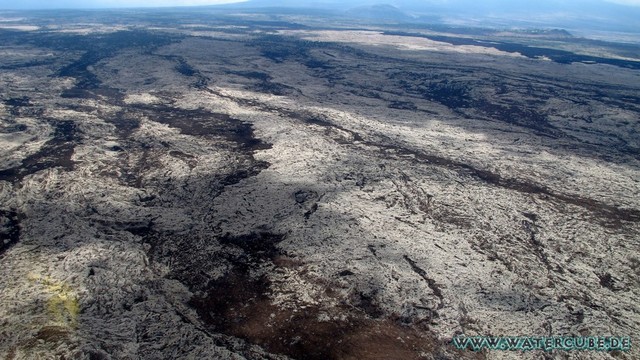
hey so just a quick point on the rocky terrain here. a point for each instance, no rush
(256, 189)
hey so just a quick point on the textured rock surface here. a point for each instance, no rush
(227, 193)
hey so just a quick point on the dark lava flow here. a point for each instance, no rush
(9, 228)
(239, 304)
(608, 215)
(56, 152)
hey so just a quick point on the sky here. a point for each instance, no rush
(626, 2)
(49, 4)
(35, 4)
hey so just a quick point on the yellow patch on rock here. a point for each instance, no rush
(63, 304)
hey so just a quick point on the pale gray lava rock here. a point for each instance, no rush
(223, 196)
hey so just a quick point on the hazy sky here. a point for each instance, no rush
(48, 4)
(626, 2)
(33, 4)
(164, 2)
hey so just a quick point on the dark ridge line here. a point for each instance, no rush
(430, 282)
(611, 212)
(532, 52)
(185, 69)
(538, 247)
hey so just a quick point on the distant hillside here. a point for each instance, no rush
(379, 11)
(584, 14)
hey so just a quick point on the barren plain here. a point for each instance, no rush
(247, 188)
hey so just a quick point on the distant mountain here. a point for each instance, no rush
(583, 14)
(379, 11)
(569, 14)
